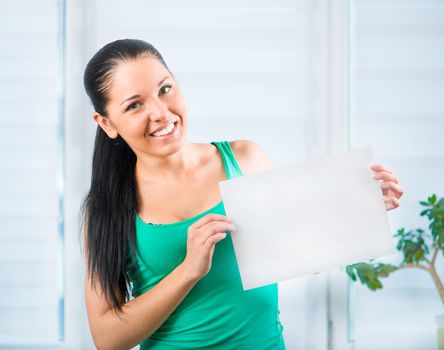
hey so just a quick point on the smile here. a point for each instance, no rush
(169, 131)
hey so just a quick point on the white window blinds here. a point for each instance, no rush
(398, 107)
(30, 177)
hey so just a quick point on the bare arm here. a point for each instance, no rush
(251, 156)
(141, 316)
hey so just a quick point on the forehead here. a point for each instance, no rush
(136, 76)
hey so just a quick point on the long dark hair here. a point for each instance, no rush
(109, 209)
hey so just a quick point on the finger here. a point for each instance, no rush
(380, 167)
(395, 201)
(391, 202)
(388, 203)
(206, 219)
(211, 241)
(213, 228)
(398, 190)
(386, 177)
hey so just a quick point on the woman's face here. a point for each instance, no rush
(145, 98)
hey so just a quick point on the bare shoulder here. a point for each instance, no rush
(250, 156)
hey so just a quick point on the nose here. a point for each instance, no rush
(157, 111)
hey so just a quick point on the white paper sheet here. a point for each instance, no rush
(305, 218)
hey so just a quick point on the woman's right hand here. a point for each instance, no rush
(202, 238)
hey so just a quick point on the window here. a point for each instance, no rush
(397, 91)
(31, 186)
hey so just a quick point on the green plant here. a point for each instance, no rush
(419, 249)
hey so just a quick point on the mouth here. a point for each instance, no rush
(171, 133)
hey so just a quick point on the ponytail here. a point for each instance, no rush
(109, 209)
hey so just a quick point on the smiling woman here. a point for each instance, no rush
(144, 99)
(174, 284)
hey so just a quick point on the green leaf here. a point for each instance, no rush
(374, 284)
(424, 212)
(427, 204)
(361, 273)
(349, 270)
(432, 199)
(385, 269)
(400, 232)
(369, 273)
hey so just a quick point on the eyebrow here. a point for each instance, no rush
(136, 96)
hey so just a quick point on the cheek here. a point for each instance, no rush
(136, 127)
(178, 103)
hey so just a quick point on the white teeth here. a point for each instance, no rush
(164, 131)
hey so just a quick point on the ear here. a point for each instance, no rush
(106, 125)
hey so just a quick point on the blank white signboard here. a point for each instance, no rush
(304, 218)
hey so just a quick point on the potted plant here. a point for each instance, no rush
(420, 250)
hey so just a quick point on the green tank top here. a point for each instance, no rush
(217, 313)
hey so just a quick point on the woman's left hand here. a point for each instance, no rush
(391, 190)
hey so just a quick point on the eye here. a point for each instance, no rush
(166, 86)
(133, 105)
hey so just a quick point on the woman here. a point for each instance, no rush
(154, 215)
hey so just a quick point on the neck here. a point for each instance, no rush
(166, 168)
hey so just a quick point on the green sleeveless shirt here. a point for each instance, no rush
(217, 313)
